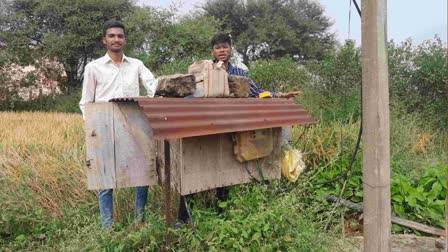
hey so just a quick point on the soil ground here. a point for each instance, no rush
(401, 243)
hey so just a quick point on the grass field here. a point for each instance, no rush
(45, 206)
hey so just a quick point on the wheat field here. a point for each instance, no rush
(42, 161)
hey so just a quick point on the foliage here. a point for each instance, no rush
(254, 218)
(41, 168)
(272, 29)
(417, 153)
(331, 86)
(56, 103)
(423, 199)
(413, 143)
(44, 206)
(418, 77)
(335, 86)
(180, 43)
(280, 75)
(68, 31)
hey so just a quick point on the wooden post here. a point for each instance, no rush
(167, 188)
(375, 120)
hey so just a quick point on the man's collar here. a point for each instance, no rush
(107, 58)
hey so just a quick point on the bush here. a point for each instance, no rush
(55, 103)
(334, 89)
(418, 78)
(280, 75)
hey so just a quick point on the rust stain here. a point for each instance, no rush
(172, 118)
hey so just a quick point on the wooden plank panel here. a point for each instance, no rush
(100, 146)
(135, 151)
(209, 162)
(175, 162)
(176, 148)
(171, 194)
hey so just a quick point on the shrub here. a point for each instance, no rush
(334, 87)
(56, 103)
(279, 75)
(417, 79)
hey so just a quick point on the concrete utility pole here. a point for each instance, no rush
(375, 120)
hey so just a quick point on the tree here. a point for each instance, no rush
(180, 43)
(69, 31)
(274, 28)
(418, 78)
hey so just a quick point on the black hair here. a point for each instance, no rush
(221, 38)
(113, 24)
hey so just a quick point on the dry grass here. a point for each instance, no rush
(42, 158)
(413, 143)
(324, 144)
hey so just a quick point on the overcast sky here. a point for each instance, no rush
(416, 19)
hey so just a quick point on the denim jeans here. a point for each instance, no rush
(107, 208)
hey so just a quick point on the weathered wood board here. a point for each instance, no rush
(100, 153)
(134, 147)
(119, 146)
(209, 162)
(122, 153)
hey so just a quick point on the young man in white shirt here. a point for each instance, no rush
(114, 76)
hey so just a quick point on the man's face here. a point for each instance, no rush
(222, 51)
(114, 39)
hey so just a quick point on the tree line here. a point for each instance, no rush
(69, 31)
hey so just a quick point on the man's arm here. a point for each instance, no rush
(254, 90)
(148, 80)
(88, 89)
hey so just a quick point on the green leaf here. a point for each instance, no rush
(266, 227)
(397, 198)
(411, 200)
(256, 236)
(437, 187)
(222, 204)
(20, 237)
(396, 228)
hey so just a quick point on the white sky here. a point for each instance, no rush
(415, 19)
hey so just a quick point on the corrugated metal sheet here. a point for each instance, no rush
(187, 117)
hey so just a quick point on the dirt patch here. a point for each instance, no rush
(401, 243)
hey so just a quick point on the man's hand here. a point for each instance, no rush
(289, 94)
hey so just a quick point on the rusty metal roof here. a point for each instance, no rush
(187, 117)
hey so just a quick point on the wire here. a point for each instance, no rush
(189, 215)
(349, 167)
(357, 8)
(349, 17)
(358, 141)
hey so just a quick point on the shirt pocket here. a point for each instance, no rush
(130, 90)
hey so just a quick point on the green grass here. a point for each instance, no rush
(44, 204)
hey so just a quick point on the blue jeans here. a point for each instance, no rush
(107, 209)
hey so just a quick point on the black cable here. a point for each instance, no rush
(192, 225)
(189, 216)
(349, 167)
(357, 7)
(358, 141)
(250, 174)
